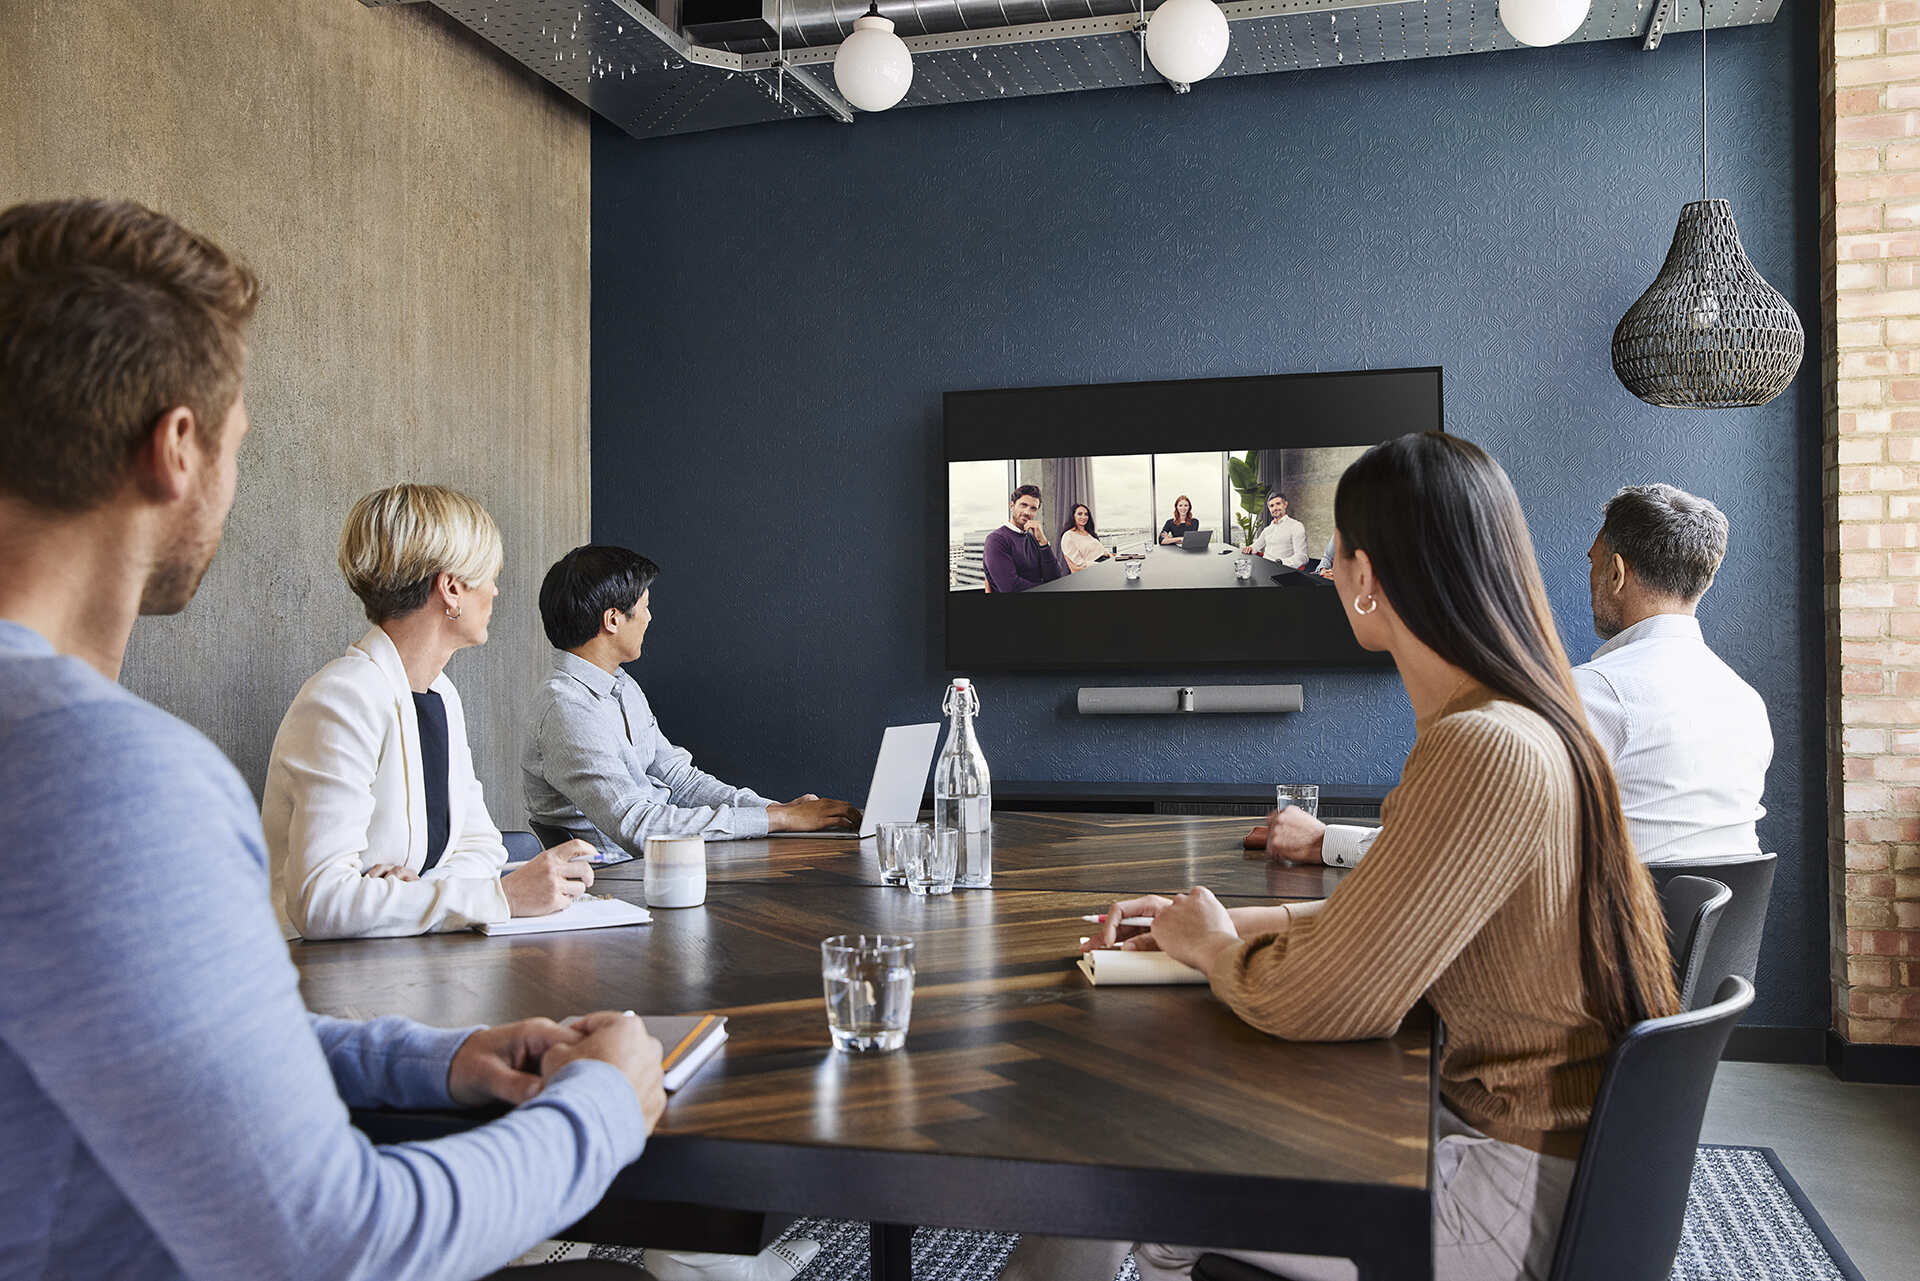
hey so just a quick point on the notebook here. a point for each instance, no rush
(1111, 967)
(592, 912)
(686, 1042)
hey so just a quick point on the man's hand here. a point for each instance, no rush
(1293, 836)
(391, 872)
(622, 1040)
(551, 880)
(1128, 938)
(813, 815)
(1039, 535)
(502, 1064)
(1194, 928)
(803, 798)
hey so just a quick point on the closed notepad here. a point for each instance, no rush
(591, 913)
(1111, 967)
(686, 1042)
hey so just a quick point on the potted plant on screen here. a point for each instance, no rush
(1244, 474)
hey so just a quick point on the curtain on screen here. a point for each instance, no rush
(1063, 483)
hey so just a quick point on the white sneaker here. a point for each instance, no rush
(781, 1261)
(553, 1252)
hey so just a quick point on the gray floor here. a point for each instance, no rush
(1854, 1150)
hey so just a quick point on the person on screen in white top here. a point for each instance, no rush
(1284, 539)
(1080, 543)
(1689, 739)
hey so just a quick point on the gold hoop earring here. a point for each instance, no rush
(453, 615)
(1373, 605)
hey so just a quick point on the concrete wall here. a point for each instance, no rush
(418, 210)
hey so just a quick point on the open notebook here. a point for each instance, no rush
(592, 912)
(1112, 967)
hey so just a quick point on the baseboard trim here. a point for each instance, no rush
(1873, 1064)
(1762, 1044)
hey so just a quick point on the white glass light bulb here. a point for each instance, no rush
(873, 68)
(1187, 40)
(1542, 22)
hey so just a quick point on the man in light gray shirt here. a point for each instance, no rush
(597, 766)
(1689, 739)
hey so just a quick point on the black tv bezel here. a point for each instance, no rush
(1162, 629)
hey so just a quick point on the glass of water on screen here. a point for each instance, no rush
(1304, 796)
(869, 985)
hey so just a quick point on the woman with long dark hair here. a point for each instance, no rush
(1080, 542)
(1182, 523)
(1502, 888)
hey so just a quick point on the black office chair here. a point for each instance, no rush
(1735, 947)
(521, 845)
(1693, 905)
(1629, 1194)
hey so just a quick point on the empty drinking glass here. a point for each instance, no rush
(886, 840)
(933, 862)
(1306, 796)
(869, 985)
(1243, 569)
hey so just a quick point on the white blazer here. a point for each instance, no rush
(344, 791)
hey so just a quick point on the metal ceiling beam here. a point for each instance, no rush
(1657, 25)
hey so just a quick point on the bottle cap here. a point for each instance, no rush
(961, 682)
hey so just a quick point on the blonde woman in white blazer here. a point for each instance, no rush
(349, 826)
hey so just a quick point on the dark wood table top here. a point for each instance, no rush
(1025, 1100)
(1102, 856)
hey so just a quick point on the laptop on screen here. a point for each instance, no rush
(899, 779)
(1197, 541)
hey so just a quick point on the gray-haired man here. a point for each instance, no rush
(1689, 739)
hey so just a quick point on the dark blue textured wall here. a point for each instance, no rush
(776, 311)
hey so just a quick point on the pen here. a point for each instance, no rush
(1139, 922)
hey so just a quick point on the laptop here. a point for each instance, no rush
(1197, 541)
(899, 780)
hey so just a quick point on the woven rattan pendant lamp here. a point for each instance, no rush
(1709, 333)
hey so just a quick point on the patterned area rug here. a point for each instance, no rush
(1747, 1220)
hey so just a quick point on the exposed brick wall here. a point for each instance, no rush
(1870, 355)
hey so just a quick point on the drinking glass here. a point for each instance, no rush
(1133, 571)
(1305, 796)
(886, 840)
(1243, 569)
(869, 985)
(931, 866)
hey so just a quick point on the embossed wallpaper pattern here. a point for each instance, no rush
(777, 311)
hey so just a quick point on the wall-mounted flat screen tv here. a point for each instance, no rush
(1110, 525)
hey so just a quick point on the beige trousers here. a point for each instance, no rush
(1496, 1215)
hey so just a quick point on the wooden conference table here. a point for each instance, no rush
(1025, 1100)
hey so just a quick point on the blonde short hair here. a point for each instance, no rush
(399, 540)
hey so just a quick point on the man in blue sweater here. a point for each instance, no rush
(168, 1108)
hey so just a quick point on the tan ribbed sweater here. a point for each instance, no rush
(1470, 897)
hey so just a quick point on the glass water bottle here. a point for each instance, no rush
(963, 789)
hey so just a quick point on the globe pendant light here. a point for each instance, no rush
(1709, 333)
(1542, 22)
(1187, 41)
(873, 68)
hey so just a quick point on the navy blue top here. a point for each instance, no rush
(432, 714)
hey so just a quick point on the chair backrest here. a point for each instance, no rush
(1623, 1216)
(1735, 946)
(521, 845)
(1693, 905)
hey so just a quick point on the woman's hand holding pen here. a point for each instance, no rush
(1115, 931)
(1194, 928)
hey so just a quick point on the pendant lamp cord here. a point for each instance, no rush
(1703, 99)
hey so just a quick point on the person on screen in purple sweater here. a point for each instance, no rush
(1018, 555)
(168, 1106)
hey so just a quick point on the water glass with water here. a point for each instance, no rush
(886, 840)
(869, 985)
(1305, 796)
(1243, 569)
(934, 862)
(1133, 571)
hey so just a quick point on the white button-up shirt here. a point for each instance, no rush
(1285, 540)
(1689, 741)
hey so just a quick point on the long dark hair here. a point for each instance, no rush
(1077, 509)
(1440, 521)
